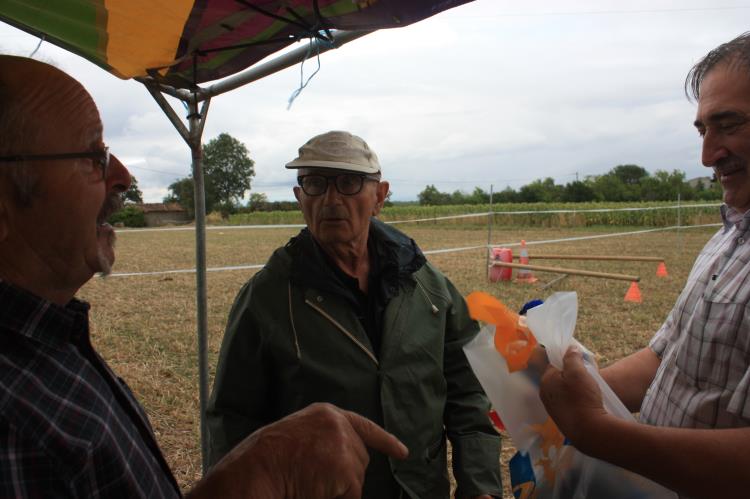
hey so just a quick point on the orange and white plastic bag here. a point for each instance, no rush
(546, 465)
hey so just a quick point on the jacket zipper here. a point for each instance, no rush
(343, 330)
(433, 308)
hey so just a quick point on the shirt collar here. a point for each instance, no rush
(39, 319)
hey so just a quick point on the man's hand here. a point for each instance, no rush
(319, 452)
(572, 398)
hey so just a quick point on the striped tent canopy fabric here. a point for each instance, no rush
(187, 42)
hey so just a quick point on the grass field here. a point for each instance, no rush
(145, 325)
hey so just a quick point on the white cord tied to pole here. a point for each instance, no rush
(302, 82)
(33, 53)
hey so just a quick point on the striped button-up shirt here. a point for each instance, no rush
(68, 426)
(703, 380)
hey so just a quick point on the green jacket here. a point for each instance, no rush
(292, 341)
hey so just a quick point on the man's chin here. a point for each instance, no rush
(105, 264)
(105, 255)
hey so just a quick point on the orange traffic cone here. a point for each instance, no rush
(524, 275)
(633, 294)
(661, 270)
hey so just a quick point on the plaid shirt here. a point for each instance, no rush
(703, 380)
(68, 426)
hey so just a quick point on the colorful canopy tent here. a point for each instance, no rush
(174, 46)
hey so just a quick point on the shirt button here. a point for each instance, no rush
(740, 240)
(319, 299)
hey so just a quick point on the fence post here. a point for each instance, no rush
(679, 222)
(490, 220)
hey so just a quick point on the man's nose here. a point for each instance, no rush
(713, 149)
(332, 193)
(118, 177)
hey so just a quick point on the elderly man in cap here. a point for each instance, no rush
(69, 427)
(349, 312)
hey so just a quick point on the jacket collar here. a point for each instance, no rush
(396, 257)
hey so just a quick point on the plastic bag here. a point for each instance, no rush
(546, 466)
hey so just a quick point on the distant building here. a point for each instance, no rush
(706, 181)
(157, 214)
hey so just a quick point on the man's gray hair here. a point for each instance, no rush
(735, 52)
(16, 136)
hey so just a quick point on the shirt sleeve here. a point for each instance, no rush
(476, 444)
(235, 408)
(665, 335)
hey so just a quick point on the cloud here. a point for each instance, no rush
(492, 92)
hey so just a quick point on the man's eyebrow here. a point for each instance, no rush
(720, 116)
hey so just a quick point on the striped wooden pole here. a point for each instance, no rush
(560, 270)
(596, 257)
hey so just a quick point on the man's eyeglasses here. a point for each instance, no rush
(101, 158)
(347, 184)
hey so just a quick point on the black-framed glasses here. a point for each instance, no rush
(347, 184)
(101, 158)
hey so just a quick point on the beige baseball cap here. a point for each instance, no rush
(338, 150)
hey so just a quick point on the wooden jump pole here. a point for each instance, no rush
(560, 270)
(595, 257)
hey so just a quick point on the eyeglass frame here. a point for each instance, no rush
(103, 158)
(361, 176)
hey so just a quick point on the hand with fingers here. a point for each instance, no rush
(572, 398)
(319, 452)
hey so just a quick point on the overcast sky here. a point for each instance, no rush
(492, 92)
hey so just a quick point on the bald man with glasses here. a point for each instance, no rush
(349, 312)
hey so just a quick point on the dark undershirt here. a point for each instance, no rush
(370, 305)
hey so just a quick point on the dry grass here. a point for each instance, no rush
(145, 326)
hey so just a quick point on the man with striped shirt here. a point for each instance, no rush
(69, 427)
(692, 383)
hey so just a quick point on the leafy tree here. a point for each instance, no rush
(129, 216)
(182, 191)
(663, 186)
(541, 191)
(608, 187)
(133, 194)
(578, 192)
(479, 196)
(629, 174)
(707, 191)
(507, 195)
(430, 196)
(257, 201)
(227, 170)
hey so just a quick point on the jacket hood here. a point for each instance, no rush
(396, 257)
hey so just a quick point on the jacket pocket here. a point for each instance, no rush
(436, 449)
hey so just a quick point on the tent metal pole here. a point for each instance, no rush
(193, 134)
(155, 90)
(281, 62)
(196, 119)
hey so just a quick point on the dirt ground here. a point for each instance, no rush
(145, 325)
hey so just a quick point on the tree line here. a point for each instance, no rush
(228, 171)
(621, 183)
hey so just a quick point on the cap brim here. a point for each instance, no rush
(334, 165)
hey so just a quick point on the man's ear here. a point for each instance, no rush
(381, 193)
(296, 191)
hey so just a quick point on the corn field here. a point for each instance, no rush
(650, 214)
